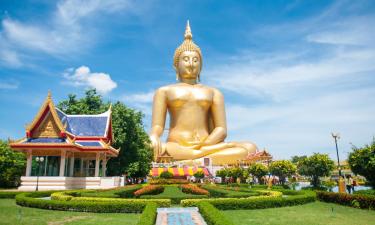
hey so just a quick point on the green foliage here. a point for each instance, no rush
(315, 166)
(257, 169)
(222, 173)
(12, 166)
(174, 194)
(212, 215)
(362, 162)
(166, 175)
(149, 190)
(148, 216)
(199, 174)
(216, 191)
(365, 192)
(261, 202)
(356, 200)
(282, 169)
(295, 159)
(86, 204)
(136, 155)
(168, 181)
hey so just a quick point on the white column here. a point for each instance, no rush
(62, 163)
(104, 165)
(71, 169)
(29, 162)
(97, 160)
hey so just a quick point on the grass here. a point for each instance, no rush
(317, 213)
(174, 193)
(10, 213)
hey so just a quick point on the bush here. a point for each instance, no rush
(193, 189)
(356, 200)
(212, 215)
(174, 194)
(148, 216)
(166, 175)
(216, 191)
(168, 181)
(127, 192)
(149, 190)
(199, 174)
(9, 194)
(259, 202)
(366, 192)
(87, 204)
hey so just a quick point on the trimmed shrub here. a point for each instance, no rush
(193, 189)
(87, 204)
(356, 200)
(166, 175)
(127, 192)
(259, 202)
(366, 192)
(174, 194)
(217, 191)
(9, 194)
(149, 190)
(148, 216)
(168, 181)
(212, 215)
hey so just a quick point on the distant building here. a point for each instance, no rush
(67, 151)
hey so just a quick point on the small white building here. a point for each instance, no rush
(67, 151)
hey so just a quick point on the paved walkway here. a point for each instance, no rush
(179, 216)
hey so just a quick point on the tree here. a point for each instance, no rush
(316, 166)
(235, 172)
(362, 162)
(282, 169)
(12, 166)
(295, 159)
(222, 173)
(257, 169)
(129, 135)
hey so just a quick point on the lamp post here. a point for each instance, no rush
(336, 136)
(39, 160)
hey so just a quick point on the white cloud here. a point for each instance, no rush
(65, 32)
(9, 85)
(82, 76)
(144, 98)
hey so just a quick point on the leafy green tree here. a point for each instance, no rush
(222, 173)
(282, 169)
(166, 175)
(258, 170)
(12, 166)
(235, 172)
(295, 159)
(316, 166)
(129, 135)
(362, 162)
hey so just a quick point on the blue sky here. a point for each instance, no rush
(291, 71)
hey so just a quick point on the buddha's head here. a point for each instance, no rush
(187, 59)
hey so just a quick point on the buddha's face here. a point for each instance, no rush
(189, 65)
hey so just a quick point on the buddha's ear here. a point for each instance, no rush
(177, 78)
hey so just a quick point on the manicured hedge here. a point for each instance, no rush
(148, 216)
(193, 189)
(9, 194)
(212, 215)
(356, 200)
(168, 181)
(217, 191)
(259, 202)
(128, 192)
(174, 194)
(366, 192)
(86, 204)
(149, 190)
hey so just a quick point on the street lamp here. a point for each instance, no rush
(39, 160)
(337, 136)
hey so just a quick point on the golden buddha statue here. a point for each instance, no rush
(197, 115)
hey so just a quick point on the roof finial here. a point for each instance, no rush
(188, 34)
(49, 94)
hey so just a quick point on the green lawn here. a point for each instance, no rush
(317, 213)
(10, 213)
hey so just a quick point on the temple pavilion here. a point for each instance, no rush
(67, 151)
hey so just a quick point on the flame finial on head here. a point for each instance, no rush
(187, 45)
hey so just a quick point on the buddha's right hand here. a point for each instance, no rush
(156, 145)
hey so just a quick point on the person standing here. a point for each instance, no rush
(349, 183)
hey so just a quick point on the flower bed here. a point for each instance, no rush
(356, 200)
(193, 189)
(149, 190)
(212, 215)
